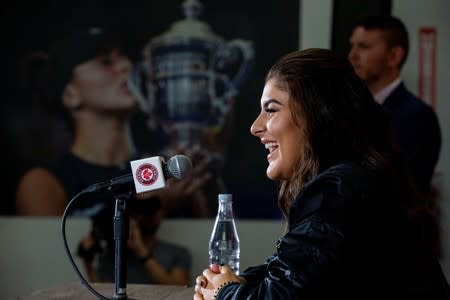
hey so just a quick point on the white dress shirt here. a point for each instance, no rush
(381, 96)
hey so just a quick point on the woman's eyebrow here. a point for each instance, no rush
(269, 101)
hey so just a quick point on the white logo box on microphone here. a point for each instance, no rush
(148, 174)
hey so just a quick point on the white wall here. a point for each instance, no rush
(32, 255)
(315, 23)
(316, 19)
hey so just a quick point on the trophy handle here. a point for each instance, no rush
(244, 50)
(232, 65)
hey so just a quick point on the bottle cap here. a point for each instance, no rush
(225, 197)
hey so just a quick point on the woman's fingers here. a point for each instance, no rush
(215, 268)
(225, 269)
(198, 296)
(208, 274)
(201, 281)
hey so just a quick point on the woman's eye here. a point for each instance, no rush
(270, 110)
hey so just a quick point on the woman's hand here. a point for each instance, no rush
(212, 280)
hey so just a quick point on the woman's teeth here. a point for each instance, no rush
(271, 146)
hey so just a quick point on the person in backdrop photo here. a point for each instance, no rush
(88, 85)
(379, 49)
(349, 205)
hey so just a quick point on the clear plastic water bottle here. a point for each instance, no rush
(224, 247)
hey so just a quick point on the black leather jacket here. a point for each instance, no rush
(342, 243)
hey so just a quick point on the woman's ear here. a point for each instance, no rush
(71, 98)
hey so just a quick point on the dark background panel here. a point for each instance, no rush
(29, 26)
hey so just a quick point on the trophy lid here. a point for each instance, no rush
(188, 28)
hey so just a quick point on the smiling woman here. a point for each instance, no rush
(353, 226)
(283, 136)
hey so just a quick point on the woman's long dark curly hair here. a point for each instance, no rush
(341, 121)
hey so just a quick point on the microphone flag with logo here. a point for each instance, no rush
(148, 174)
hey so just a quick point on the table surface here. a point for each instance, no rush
(77, 291)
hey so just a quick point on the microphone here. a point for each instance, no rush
(148, 174)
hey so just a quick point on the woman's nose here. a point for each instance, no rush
(257, 127)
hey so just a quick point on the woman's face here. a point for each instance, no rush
(101, 83)
(278, 132)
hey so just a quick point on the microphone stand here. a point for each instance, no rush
(121, 233)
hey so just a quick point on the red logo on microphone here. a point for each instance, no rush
(147, 174)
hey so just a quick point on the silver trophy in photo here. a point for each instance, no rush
(188, 78)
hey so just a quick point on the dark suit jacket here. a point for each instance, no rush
(416, 131)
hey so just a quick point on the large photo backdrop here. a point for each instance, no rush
(31, 26)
